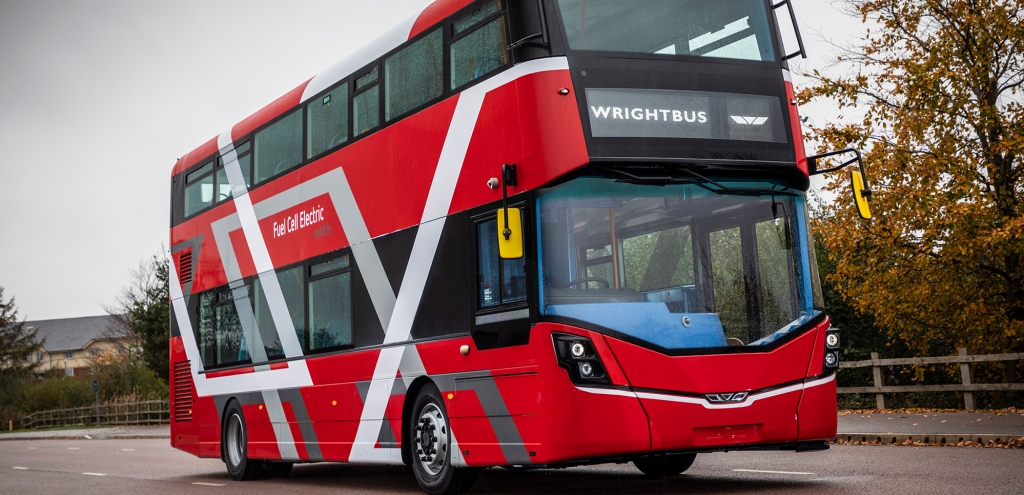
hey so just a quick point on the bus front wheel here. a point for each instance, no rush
(430, 435)
(664, 465)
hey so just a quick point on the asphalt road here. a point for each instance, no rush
(150, 467)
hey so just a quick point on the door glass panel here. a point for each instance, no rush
(487, 264)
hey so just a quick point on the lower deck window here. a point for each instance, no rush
(330, 305)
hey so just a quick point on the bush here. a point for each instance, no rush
(123, 376)
(58, 393)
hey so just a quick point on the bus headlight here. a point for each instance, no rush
(578, 357)
(578, 350)
(832, 340)
(831, 360)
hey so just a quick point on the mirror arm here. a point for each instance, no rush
(508, 178)
(812, 162)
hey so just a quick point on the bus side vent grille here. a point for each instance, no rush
(185, 267)
(183, 391)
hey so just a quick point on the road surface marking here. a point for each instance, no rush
(21, 468)
(94, 474)
(31, 448)
(87, 437)
(768, 472)
(128, 450)
(208, 484)
(74, 448)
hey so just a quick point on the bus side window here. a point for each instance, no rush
(499, 282)
(221, 341)
(366, 103)
(477, 53)
(327, 121)
(199, 190)
(278, 147)
(414, 76)
(330, 304)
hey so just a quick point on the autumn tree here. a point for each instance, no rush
(143, 312)
(936, 91)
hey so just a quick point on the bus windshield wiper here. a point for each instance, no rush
(694, 179)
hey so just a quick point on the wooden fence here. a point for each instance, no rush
(967, 385)
(150, 412)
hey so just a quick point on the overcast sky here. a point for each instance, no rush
(98, 99)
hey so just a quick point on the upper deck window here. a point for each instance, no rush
(279, 147)
(327, 121)
(480, 47)
(414, 75)
(736, 29)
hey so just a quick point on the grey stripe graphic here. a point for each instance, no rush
(505, 429)
(279, 421)
(294, 397)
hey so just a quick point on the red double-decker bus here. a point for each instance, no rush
(508, 233)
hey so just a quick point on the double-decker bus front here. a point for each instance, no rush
(509, 233)
(676, 272)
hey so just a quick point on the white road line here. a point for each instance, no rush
(94, 474)
(21, 468)
(30, 448)
(74, 448)
(769, 472)
(87, 437)
(208, 484)
(128, 450)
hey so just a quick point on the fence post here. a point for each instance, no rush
(967, 379)
(876, 369)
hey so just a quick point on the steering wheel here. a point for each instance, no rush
(588, 279)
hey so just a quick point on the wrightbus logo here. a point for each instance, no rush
(749, 120)
(650, 114)
(726, 398)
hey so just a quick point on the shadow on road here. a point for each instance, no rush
(346, 478)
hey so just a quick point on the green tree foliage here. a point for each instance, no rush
(17, 343)
(143, 309)
(17, 346)
(938, 87)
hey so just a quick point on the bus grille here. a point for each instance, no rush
(182, 392)
(185, 267)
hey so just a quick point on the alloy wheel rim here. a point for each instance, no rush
(432, 440)
(235, 439)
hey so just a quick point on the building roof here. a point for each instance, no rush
(70, 334)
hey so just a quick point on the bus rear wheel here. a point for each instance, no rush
(234, 441)
(429, 432)
(664, 465)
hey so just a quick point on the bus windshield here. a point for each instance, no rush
(736, 29)
(682, 266)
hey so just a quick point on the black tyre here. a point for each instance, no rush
(430, 447)
(234, 442)
(665, 465)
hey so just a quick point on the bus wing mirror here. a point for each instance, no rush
(860, 194)
(858, 177)
(510, 233)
